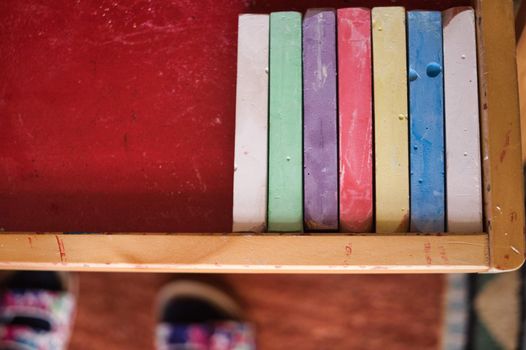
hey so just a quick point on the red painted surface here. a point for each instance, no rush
(355, 106)
(119, 115)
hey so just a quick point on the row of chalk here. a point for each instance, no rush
(320, 97)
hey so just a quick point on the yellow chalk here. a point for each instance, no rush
(391, 119)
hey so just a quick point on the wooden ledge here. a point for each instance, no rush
(245, 253)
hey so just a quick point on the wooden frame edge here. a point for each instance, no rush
(245, 253)
(500, 131)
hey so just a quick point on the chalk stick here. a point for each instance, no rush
(320, 143)
(390, 109)
(285, 186)
(464, 191)
(250, 158)
(355, 119)
(426, 121)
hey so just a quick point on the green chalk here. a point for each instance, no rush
(285, 184)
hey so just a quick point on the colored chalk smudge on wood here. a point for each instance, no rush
(320, 147)
(426, 121)
(250, 163)
(464, 182)
(285, 186)
(390, 116)
(355, 119)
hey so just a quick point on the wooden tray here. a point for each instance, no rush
(30, 206)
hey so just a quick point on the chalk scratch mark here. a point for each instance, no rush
(198, 176)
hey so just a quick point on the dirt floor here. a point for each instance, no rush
(289, 311)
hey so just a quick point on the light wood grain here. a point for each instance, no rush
(244, 253)
(500, 125)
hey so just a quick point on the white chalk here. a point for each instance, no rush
(250, 164)
(463, 166)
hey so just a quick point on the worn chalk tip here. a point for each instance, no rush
(433, 69)
(413, 75)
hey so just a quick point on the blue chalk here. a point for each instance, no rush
(426, 125)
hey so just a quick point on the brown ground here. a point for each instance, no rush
(290, 311)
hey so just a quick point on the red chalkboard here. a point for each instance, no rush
(119, 115)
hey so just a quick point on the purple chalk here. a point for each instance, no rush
(320, 152)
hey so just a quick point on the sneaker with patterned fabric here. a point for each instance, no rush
(196, 316)
(36, 309)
